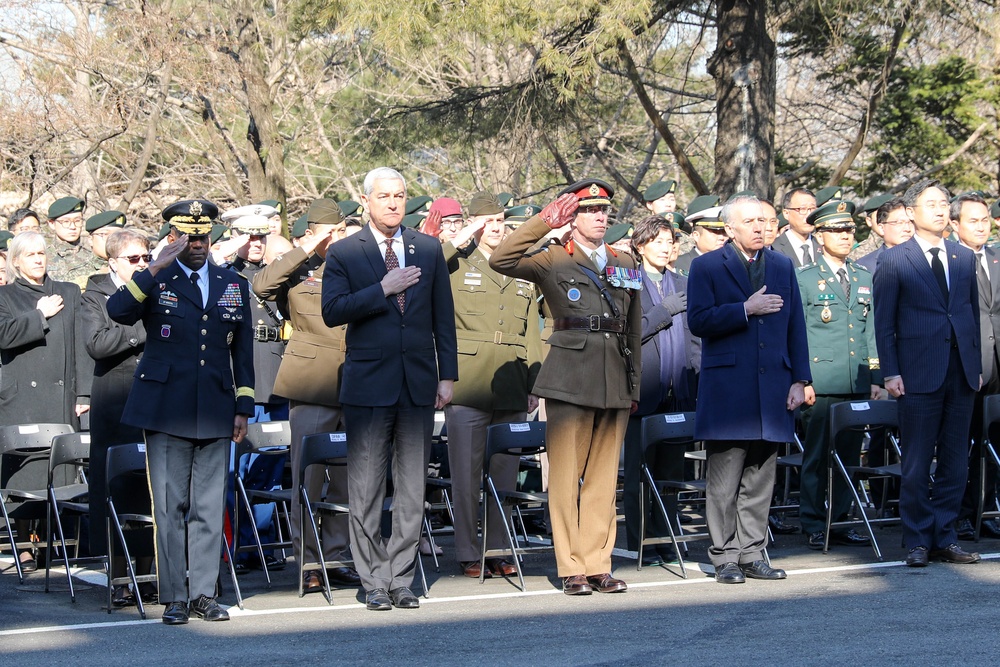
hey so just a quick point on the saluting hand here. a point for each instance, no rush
(168, 254)
(760, 303)
(467, 233)
(560, 212)
(432, 224)
(311, 241)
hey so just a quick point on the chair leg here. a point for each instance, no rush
(13, 543)
(232, 571)
(642, 523)
(242, 494)
(430, 540)
(864, 515)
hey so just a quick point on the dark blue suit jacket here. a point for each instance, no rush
(184, 382)
(747, 367)
(386, 347)
(870, 261)
(915, 327)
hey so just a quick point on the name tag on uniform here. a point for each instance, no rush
(470, 281)
(624, 278)
(313, 282)
(472, 274)
(168, 298)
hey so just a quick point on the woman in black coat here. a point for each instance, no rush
(46, 370)
(115, 350)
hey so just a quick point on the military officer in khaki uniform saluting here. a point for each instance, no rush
(499, 355)
(309, 376)
(589, 378)
(840, 327)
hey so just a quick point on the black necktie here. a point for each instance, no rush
(938, 268)
(845, 284)
(807, 257)
(985, 291)
(194, 281)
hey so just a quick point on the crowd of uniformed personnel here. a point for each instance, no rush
(548, 317)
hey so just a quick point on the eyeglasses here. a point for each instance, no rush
(135, 259)
(452, 222)
(802, 210)
(595, 209)
(897, 223)
(69, 223)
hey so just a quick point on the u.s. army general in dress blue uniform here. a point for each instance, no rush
(198, 339)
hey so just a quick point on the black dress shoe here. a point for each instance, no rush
(577, 585)
(817, 540)
(955, 554)
(275, 563)
(850, 538)
(208, 609)
(759, 569)
(965, 530)
(122, 596)
(729, 573)
(780, 527)
(345, 576)
(605, 583)
(148, 592)
(990, 528)
(917, 557)
(377, 599)
(403, 598)
(176, 613)
(241, 568)
(28, 564)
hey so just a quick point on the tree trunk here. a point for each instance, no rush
(743, 66)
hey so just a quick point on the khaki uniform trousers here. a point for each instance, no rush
(583, 443)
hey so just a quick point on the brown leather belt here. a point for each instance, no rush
(592, 323)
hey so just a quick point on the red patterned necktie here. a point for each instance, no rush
(392, 262)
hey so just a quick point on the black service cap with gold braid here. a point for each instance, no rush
(192, 216)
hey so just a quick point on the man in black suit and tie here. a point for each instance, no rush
(970, 217)
(927, 329)
(392, 289)
(798, 243)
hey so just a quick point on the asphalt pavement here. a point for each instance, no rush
(840, 608)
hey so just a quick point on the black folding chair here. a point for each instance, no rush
(124, 461)
(263, 439)
(672, 431)
(515, 439)
(988, 455)
(68, 500)
(23, 446)
(868, 416)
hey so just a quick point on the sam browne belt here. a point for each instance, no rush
(591, 323)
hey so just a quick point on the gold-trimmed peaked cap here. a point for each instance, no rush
(591, 192)
(192, 216)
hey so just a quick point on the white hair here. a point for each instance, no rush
(379, 173)
(18, 246)
(729, 209)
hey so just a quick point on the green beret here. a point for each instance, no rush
(515, 215)
(995, 209)
(300, 226)
(273, 202)
(325, 212)
(833, 215)
(971, 192)
(745, 193)
(659, 189)
(64, 205)
(505, 199)
(676, 219)
(219, 232)
(485, 203)
(418, 204)
(106, 219)
(875, 202)
(5, 238)
(782, 220)
(828, 194)
(702, 202)
(164, 230)
(412, 220)
(617, 232)
(351, 208)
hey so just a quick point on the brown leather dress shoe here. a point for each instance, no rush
(605, 583)
(311, 581)
(500, 567)
(955, 554)
(472, 570)
(917, 557)
(577, 585)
